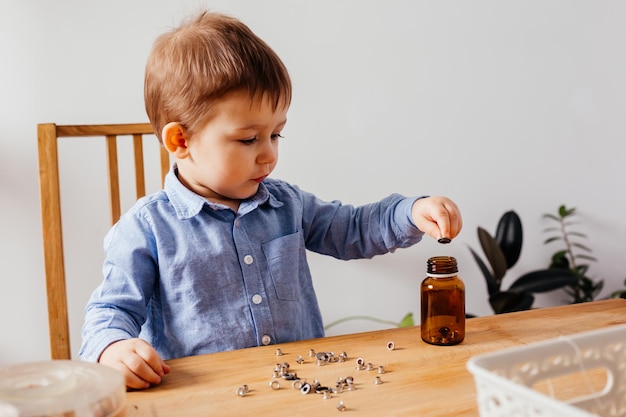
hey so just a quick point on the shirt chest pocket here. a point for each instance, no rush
(283, 261)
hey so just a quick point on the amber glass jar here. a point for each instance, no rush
(442, 303)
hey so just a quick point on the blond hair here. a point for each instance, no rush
(204, 59)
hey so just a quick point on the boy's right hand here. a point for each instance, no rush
(140, 364)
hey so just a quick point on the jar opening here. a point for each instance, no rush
(442, 265)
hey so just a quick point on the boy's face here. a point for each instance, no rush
(235, 151)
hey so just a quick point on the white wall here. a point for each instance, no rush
(498, 104)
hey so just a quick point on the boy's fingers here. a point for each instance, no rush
(441, 217)
(153, 367)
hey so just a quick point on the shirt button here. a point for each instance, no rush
(256, 299)
(248, 259)
(237, 222)
(266, 340)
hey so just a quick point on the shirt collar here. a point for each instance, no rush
(188, 204)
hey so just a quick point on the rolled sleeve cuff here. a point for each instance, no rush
(406, 230)
(99, 343)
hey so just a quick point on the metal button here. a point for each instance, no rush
(248, 259)
(275, 384)
(266, 340)
(237, 222)
(257, 299)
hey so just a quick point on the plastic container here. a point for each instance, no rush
(61, 388)
(582, 375)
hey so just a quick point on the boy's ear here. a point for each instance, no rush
(174, 137)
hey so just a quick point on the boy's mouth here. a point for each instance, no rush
(260, 179)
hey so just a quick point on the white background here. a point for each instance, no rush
(497, 104)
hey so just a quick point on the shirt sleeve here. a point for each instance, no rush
(354, 232)
(116, 309)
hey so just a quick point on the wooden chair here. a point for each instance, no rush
(48, 137)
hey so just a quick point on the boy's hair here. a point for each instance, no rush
(204, 59)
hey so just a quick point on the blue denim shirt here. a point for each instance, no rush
(192, 277)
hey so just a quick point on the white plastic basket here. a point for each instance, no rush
(582, 375)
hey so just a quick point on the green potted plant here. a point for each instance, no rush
(573, 256)
(502, 253)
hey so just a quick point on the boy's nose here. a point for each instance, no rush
(268, 154)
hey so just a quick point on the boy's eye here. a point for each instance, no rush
(274, 136)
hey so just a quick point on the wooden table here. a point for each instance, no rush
(420, 379)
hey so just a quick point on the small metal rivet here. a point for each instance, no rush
(306, 388)
(311, 352)
(299, 359)
(381, 369)
(297, 384)
(327, 395)
(444, 240)
(320, 389)
(274, 384)
(391, 346)
(243, 390)
(378, 381)
(279, 352)
(341, 406)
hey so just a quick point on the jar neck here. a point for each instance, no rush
(442, 265)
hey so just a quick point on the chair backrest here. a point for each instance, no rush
(48, 137)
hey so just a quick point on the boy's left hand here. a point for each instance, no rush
(438, 217)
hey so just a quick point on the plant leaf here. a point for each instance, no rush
(544, 280)
(509, 301)
(565, 212)
(407, 321)
(493, 286)
(552, 216)
(493, 253)
(560, 260)
(552, 239)
(509, 236)
(581, 246)
(583, 256)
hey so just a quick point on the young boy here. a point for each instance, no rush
(217, 259)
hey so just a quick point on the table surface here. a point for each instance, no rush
(419, 379)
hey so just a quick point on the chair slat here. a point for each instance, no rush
(53, 242)
(114, 182)
(140, 178)
(103, 130)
